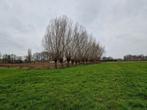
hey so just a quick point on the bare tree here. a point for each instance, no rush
(0, 58)
(53, 41)
(65, 40)
(36, 56)
(29, 57)
(75, 44)
(68, 42)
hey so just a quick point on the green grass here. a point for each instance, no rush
(106, 86)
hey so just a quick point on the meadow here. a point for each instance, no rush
(104, 86)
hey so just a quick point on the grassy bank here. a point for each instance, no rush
(106, 86)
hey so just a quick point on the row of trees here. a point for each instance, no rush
(29, 58)
(41, 56)
(12, 58)
(65, 41)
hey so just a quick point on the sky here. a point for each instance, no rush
(119, 25)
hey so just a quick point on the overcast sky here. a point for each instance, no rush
(119, 25)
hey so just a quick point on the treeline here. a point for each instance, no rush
(66, 41)
(135, 58)
(10, 58)
(29, 58)
(14, 59)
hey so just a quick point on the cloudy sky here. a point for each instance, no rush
(119, 25)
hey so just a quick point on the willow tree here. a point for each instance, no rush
(65, 41)
(54, 39)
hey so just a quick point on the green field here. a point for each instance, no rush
(105, 86)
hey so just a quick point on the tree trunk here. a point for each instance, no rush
(61, 62)
(56, 64)
(72, 62)
(76, 62)
(67, 63)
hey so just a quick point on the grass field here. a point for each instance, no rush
(106, 86)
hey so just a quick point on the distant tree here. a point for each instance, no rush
(29, 57)
(0, 58)
(6, 58)
(44, 56)
(12, 58)
(41, 56)
(18, 59)
(36, 56)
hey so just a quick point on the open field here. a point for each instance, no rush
(106, 86)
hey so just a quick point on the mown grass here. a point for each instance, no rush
(106, 86)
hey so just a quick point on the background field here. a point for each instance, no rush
(106, 86)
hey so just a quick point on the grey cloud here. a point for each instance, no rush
(119, 25)
(9, 44)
